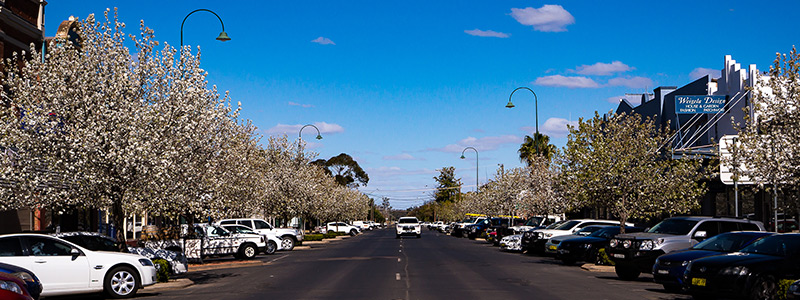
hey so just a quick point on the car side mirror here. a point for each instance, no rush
(700, 234)
(75, 253)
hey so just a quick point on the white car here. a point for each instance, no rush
(511, 242)
(65, 268)
(289, 236)
(364, 225)
(342, 227)
(408, 226)
(268, 246)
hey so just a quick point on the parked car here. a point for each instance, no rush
(538, 237)
(479, 228)
(12, 288)
(537, 222)
(551, 246)
(364, 225)
(271, 244)
(794, 291)
(754, 271)
(289, 236)
(342, 227)
(511, 243)
(637, 252)
(408, 226)
(669, 268)
(498, 229)
(457, 229)
(178, 264)
(211, 240)
(31, 282)
(528, 237)
(66, 268)
(588, 248)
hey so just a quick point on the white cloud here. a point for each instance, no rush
(557, 127)
(700, 72)
(403, 156)
(637, 82)
(482, 144)
(567, 81)
(602, 68)
(548, 18)
(323, 41)
(487, 33)
(383, 172)
(324, 128)
(300, 104)
(615, 99)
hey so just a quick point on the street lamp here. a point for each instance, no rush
(223, 37)
(300, 135)
(536, 103)
(476, 164)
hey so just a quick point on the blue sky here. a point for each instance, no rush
(405, 86)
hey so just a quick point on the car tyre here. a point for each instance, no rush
(271, 247)
(419, 235)
(287, 243)
(765, 287)
(353, 232)
(247, 251)
(121, 282)
(464, 234)
(627, 272)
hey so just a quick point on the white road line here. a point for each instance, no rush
(397, 276)
(398, 259)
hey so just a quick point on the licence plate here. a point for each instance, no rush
(663, 272)
(699, 281)
(502, 244)
(618, 255)
(553, 247)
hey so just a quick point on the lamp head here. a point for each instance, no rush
(319, 137)
(510, 105)
(223, 37)
(462, 156)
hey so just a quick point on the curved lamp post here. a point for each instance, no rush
(536, 103)
(222, 35)
(476, 164)
(300, 135)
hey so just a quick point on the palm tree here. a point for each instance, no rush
(539, 144)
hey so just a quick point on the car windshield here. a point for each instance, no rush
(94, 243)
(567, 225)
(555, 225)
(606, 232)
(776, 245)
(534, 221)
(726, 242)
(588, 230)
(468, 220)
(673, 226)
(240, 229)
(408, 221)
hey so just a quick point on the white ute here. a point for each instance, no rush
(408, 226)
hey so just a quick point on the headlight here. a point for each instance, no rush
(738, 270)
(685, 263)
(646, 245)
(146, 262)
(626, 244)
(688, 269)
(24, 276)
(10, 286)
(794, 287)
(613, 243)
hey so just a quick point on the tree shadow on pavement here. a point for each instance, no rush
(203, 278)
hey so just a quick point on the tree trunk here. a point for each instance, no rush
(118, 218)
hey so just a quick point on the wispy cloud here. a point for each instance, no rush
(385, 172)
(482, 144)
(700, 72)
(487, 33)
(324, 128)
(300, 104)
(603, 69)
(637, 82)
(557, 127)
(548, 18)
(403, 156)
(323, 41)
(566, 81)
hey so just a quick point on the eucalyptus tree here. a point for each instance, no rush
(617, 163)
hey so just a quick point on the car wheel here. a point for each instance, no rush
(626, 272)
(353, 232)
(247, 251)
(764, 288)
(287, 243)
(271, 247)
(464, 234)
(121, 282)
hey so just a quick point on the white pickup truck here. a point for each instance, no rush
(205, 240)
(288, 236)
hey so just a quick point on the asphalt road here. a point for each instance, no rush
(375, 265)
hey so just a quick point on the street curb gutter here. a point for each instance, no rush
(171, 285)
(596, 268)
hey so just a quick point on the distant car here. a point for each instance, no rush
(270, 245)
(178, 264)
(754, 271)
(551, 246)
(588, 248)
(511, 242)
(364, 225)
(66, 268)
(342, 227)
(669, 268)
(539, 237)
(12, 288)
(32, 283)
(408, 226)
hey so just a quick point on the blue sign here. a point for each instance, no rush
(699, 104)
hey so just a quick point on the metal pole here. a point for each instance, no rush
(536, 106)
(196, 10)
(476, 165)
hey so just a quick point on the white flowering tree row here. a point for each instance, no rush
(95, 124)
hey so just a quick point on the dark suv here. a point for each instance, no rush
(637, 252)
